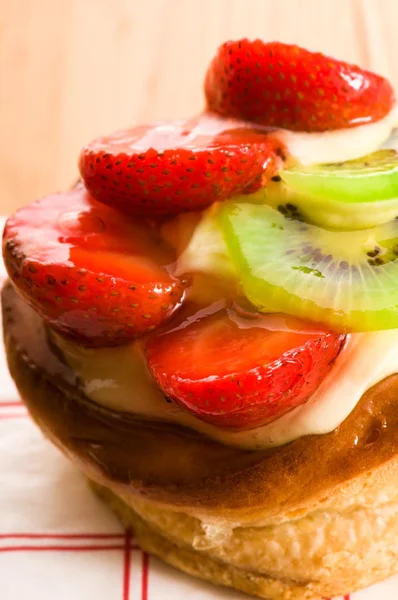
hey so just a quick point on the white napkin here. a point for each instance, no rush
(58, 541)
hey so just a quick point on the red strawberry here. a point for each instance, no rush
(175, 166)
(238, 373)
(287, 86)
(88, 271)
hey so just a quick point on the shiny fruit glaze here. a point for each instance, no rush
(176, 166)
(283, 85)
(93, 274)
(237, 369)
(105, 280)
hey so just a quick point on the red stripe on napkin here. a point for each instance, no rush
(63, 536)
(126, 566)
(145, 572)
(59, 548)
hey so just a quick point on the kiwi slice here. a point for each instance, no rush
(331, 214)
(348, 280)
(351, 195)
(367, 179)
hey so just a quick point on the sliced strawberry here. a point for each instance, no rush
(287, 86)
(88, 271)
(239, 373)
(176, 166)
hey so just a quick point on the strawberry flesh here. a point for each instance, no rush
(171, 167)
(89, 272)
(282, 85)
(239, 373)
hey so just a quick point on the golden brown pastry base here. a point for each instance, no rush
(203, 566)
(199, 565)
(314, 518)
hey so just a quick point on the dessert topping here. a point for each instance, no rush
(88, 271)
(176, 166)
(283, 85)
(241, 371)
(345, 279)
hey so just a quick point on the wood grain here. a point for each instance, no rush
(72, 69)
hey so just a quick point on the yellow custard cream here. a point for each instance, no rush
(117, 378)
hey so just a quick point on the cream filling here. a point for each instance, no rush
(117, 378)
(340, 144)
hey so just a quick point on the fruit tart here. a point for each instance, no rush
(206, 324)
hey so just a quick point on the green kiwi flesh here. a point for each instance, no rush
(347, 280)
(331, 214)
(368, 179)
(355, 194)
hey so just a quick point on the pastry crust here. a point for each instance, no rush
(316, 517)
(332, 569)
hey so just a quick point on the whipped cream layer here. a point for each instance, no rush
(118, 379)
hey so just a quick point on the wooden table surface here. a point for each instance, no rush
(73, 69)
